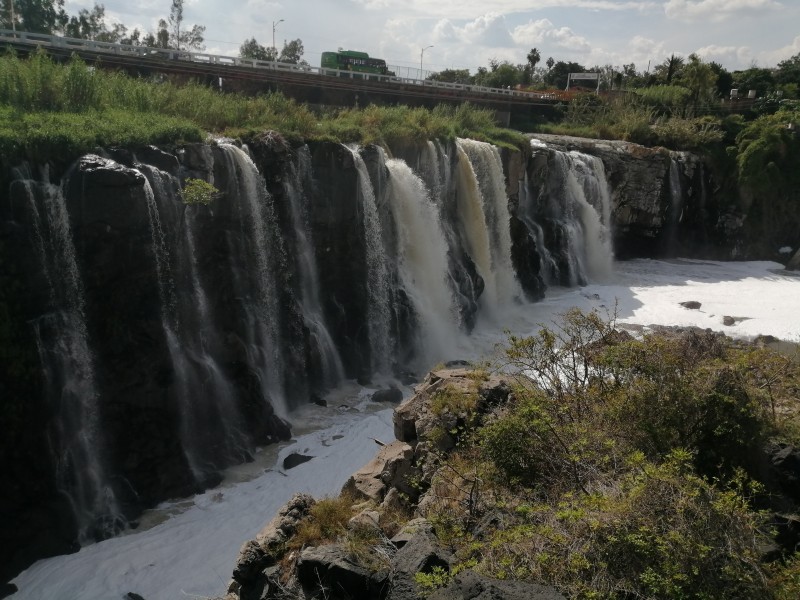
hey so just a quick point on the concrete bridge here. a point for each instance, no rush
(313, 85)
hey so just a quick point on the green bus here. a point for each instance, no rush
(352, 60)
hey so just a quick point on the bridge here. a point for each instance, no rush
(304, 83)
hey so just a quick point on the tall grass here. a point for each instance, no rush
(98, 107)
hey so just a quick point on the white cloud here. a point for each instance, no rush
(373, 4)
(543, 31)
(716, 10)
(487, 30)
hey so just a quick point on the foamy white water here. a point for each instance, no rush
(192, 553)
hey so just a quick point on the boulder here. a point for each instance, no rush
(413, 420)
(794, 262)
(392, 394)
(691, 304)
(390, 468)
(327, 571)
(284, 524)
(295, 459)
(471, 586)
(419, 552)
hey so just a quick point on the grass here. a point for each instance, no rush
(54, 110)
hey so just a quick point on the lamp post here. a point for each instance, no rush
(421, 54)
(274, 25)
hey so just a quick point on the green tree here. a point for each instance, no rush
(669, 69)
(700, 79)
(40, 16)
(252, 49)
(292, 52)
(724, 79)
(180, 37)
(789, 70)
(754, 78)
(452, 76)
(500, 74)
(88, 24)
(559, 72)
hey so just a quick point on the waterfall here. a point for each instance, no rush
(422, 261)
(473, 224)
(313, 316)
(488, 167)
(68, 372)
(571, 218)
(378, 317)
(211, 426)
(262, 239)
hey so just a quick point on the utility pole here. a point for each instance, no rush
(421, 54)
(274, 25)
(13, 25)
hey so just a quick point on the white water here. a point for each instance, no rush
(488, 168)
(476, 232)
(333, 370)
(192, 552)
(422, 261)
(63, 345)
(257, 213)
(378, 318)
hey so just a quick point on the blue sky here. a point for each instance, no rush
(468, 33)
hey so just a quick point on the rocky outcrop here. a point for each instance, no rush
(389, 484)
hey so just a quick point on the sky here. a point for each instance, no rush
(467, 34)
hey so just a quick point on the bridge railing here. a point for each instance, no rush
(53, 41)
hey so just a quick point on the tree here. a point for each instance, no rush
(500, 74)
(252, 49)
(724, 78)
(292, 52)
(452, 76)
(789, 70)
(669, 69)
(533, 58)
(699, 78)
(87, 24)
(559, 72)
(40, 16)
(180, 37)
(550, 62)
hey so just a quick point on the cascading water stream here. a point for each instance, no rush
(422, 261)
(381, 346)
(488, 167)
(573, 219)
(475, 229)
(68, 369)
(594, 201)
(257, 213)
(211, 428)
(333, 370)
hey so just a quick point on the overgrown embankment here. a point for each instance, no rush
(49, 110)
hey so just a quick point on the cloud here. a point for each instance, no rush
(773, 57)
(487, 30)
(716, 10)
(543, 31)
(373, 4)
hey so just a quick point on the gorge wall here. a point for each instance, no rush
(147, 344)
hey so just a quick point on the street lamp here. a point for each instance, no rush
(274, 25)
(421, 54)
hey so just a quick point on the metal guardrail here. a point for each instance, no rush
(65, 43)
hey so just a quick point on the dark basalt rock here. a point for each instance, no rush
(295, 459)
(471, 586)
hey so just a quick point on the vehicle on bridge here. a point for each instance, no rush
(353, 60)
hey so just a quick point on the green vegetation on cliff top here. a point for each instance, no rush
(50, 110)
